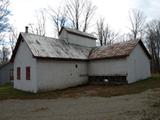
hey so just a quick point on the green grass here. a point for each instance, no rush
(8, 92)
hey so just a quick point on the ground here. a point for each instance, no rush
(7, 91)
(141, 106)
(138, 101)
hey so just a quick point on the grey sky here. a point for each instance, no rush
(149, 7)
(115, 12)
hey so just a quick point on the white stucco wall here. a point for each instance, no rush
(138, 65)
(107, 67)
(78, 40)
(58, 74)
(24, 58)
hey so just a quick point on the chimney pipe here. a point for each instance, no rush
(26, 29)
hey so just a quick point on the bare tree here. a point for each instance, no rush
(58, 18)
(153, 42)
(137, 21)
(39, 27)
(4, 26)
(75, 9)
(88, 14)
(4, 12)
(100, 30)
(4, 54)
(80, 13)
(75, 14)
(13, 35)
(109, 35)
(4, 51)
(105, 35)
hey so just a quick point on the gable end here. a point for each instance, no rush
(145, 49)
(19, 40)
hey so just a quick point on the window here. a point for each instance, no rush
(11, 74)
(18, 73)
(76, 66)
(28, 73)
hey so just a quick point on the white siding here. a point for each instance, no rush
(108, 67)
(59, 74)
(138, 65)
(78, 40)
(24, 58)
(74, 39)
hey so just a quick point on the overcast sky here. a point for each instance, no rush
(115, 12)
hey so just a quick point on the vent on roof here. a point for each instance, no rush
(26, 29)
(38, 42)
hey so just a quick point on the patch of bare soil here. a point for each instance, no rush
(142, 106)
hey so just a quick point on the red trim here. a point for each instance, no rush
(28, 73)
(18, 73)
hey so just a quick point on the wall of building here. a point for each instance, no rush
(107, 67)
(78, 40)
(24, 58)
(5, 73)
(138, 65)
(63, 35)
(59, 74)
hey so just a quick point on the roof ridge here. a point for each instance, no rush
(119, 49)
(39, 35)
(78, 32)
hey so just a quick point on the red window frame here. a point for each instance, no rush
(28, 73)
(18, 73)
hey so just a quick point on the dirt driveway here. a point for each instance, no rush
(142, 106)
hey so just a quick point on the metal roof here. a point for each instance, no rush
(77, 32)
(46, 47)
(41, 46)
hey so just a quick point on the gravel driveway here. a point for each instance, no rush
(143, 106)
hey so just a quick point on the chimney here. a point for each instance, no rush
(26, 29)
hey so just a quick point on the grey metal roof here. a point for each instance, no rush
(47, 47)
(77, 32)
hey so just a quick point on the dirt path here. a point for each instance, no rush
(143, 106)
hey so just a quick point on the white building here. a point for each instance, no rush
(6, 73)
(43, 63)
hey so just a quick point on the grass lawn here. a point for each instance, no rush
(8, 92)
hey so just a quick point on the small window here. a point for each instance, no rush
(76, 66)
(18, 73)
(28, 72)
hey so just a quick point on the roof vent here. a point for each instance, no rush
(26, 29)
